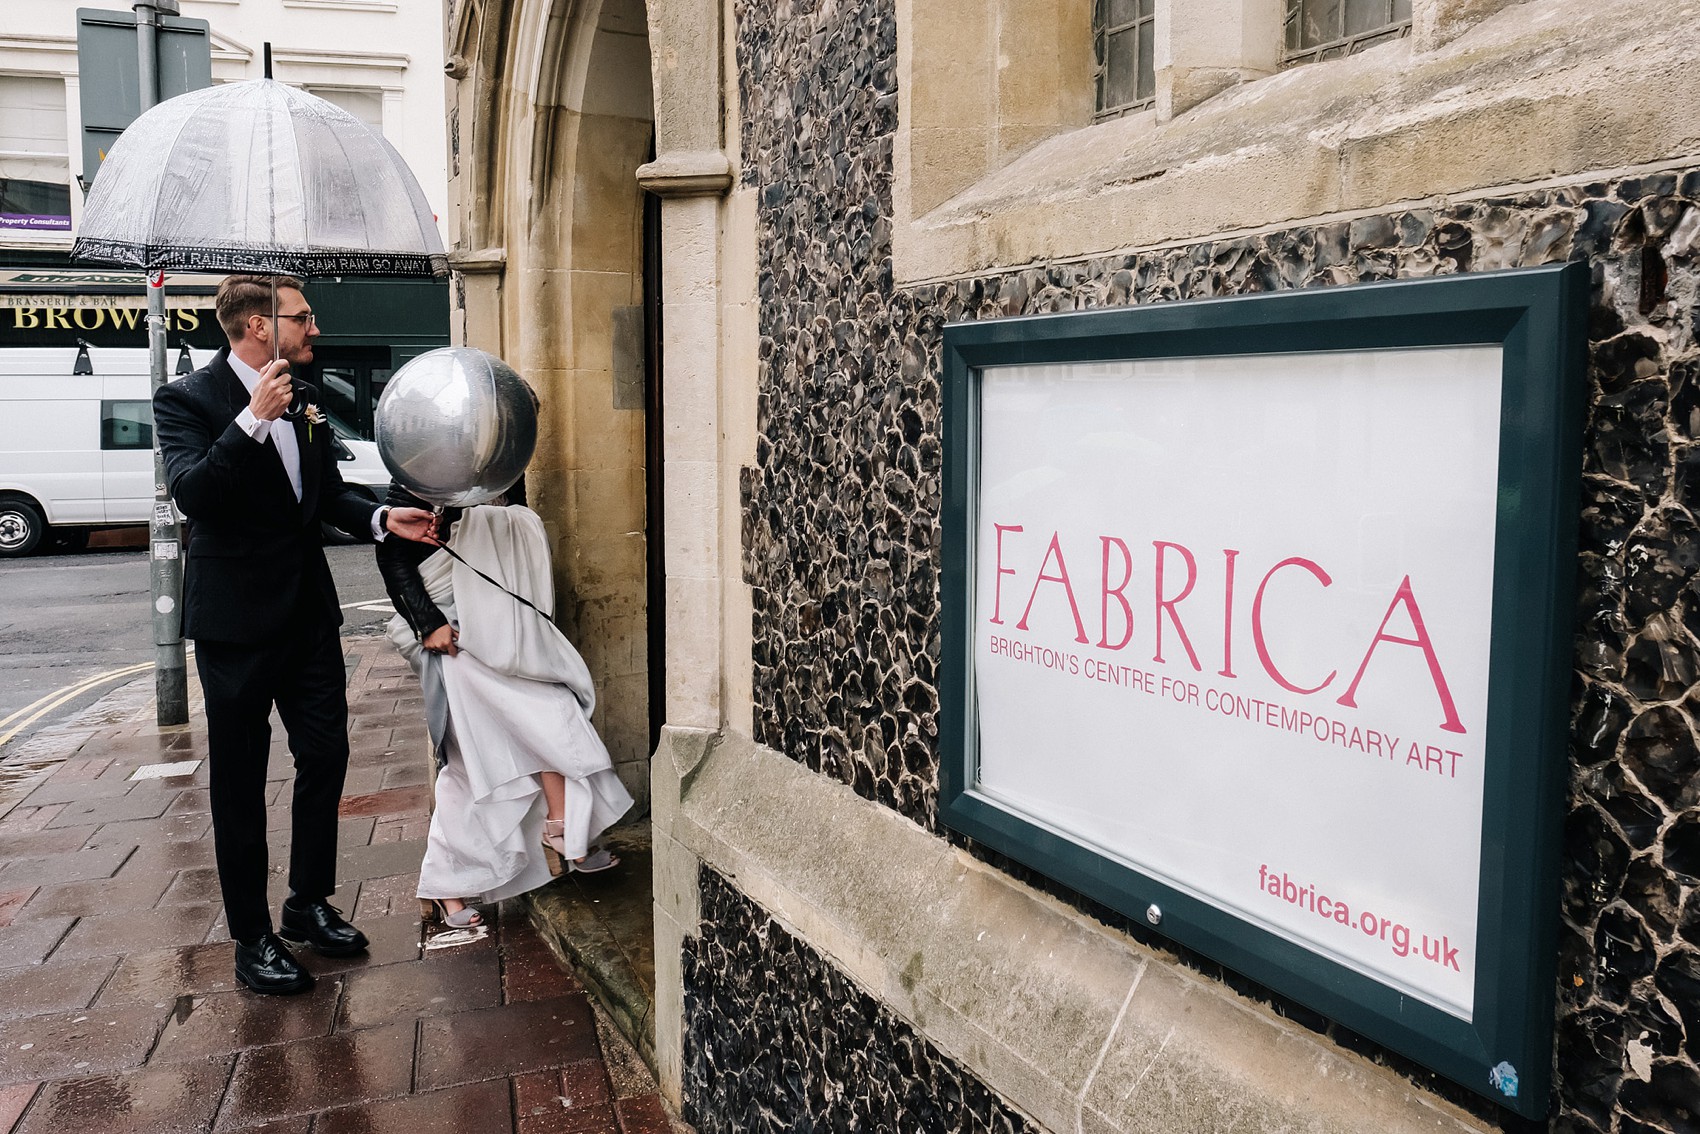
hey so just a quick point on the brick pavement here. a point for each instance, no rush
(118, 1009)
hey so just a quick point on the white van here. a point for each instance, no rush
(76, 450)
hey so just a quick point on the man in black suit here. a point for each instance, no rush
(259, 602)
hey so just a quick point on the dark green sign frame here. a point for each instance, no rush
(1538, 317)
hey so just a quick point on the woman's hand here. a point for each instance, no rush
(443, 640)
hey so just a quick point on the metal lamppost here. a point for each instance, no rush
(165, 534)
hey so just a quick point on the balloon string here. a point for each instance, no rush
(518, 598)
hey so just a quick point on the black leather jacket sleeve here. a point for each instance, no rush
(398, 563)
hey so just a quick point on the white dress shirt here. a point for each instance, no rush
(283, 437)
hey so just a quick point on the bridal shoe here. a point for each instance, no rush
(595, 860)
(464, 918)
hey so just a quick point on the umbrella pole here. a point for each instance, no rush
(289, 411)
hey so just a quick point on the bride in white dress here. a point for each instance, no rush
(522, 777)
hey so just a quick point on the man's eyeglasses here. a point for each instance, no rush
(307, 319)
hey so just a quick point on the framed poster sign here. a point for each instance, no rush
(1257, 629)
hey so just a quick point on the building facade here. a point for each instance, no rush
(837, 181)
(370, 58)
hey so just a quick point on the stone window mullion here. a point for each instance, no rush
(1315, 30)
(1123, 41)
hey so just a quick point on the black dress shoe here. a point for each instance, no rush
(265, 965)
(320, 925)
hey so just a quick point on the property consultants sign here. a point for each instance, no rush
(1257, 625)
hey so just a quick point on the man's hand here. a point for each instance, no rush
(273, 392)
(413, 523)
(442, 640)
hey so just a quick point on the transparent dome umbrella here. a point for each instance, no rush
(258, 176)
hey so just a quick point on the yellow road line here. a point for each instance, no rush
(79, 683)
(44, 705)
(55, 699)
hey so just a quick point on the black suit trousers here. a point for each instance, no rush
(302, 674)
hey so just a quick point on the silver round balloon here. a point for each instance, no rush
(456, 426)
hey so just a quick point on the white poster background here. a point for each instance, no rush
(1374, 466)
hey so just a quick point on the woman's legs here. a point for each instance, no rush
(452, 794)
(555, 794)
(555, 797)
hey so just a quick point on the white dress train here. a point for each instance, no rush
(519, 699)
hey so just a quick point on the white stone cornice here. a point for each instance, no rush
(223, 47)
(381, 6)
(367, 60)
(40, 44)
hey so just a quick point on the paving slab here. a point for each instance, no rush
(133, 804)
(29, 942)
(224, 1023)
(108, 935)
(530, 972)
(80, 1043)
(455, 983)
(13, 1100)
(55, 790)
(11, 901)
(95, 896)
(356, 864)
(160, 976)
(510, 1039)
(176, 828)
(456, 1110)
(318, 1074)
(70, 866)
(35, 989)
(36, 843)
(155, 1100)
(23, 818)
(394, 896)
(189, 887)
(165, 856)
(191, 801)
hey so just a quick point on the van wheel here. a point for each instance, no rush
(21, 527)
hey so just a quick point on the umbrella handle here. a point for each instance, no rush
(301, 394)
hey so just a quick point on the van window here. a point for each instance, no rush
(126, 425)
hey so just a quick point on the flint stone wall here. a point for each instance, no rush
(841, 515)
(779, 1041)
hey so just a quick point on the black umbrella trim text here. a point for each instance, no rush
(272, 261)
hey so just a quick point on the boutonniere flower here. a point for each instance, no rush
(314, 416)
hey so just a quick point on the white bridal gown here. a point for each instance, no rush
(519, 700)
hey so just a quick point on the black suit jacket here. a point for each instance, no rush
(254, 557)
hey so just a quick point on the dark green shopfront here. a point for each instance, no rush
(367, 328)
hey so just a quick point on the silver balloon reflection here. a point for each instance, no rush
(456, 426)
